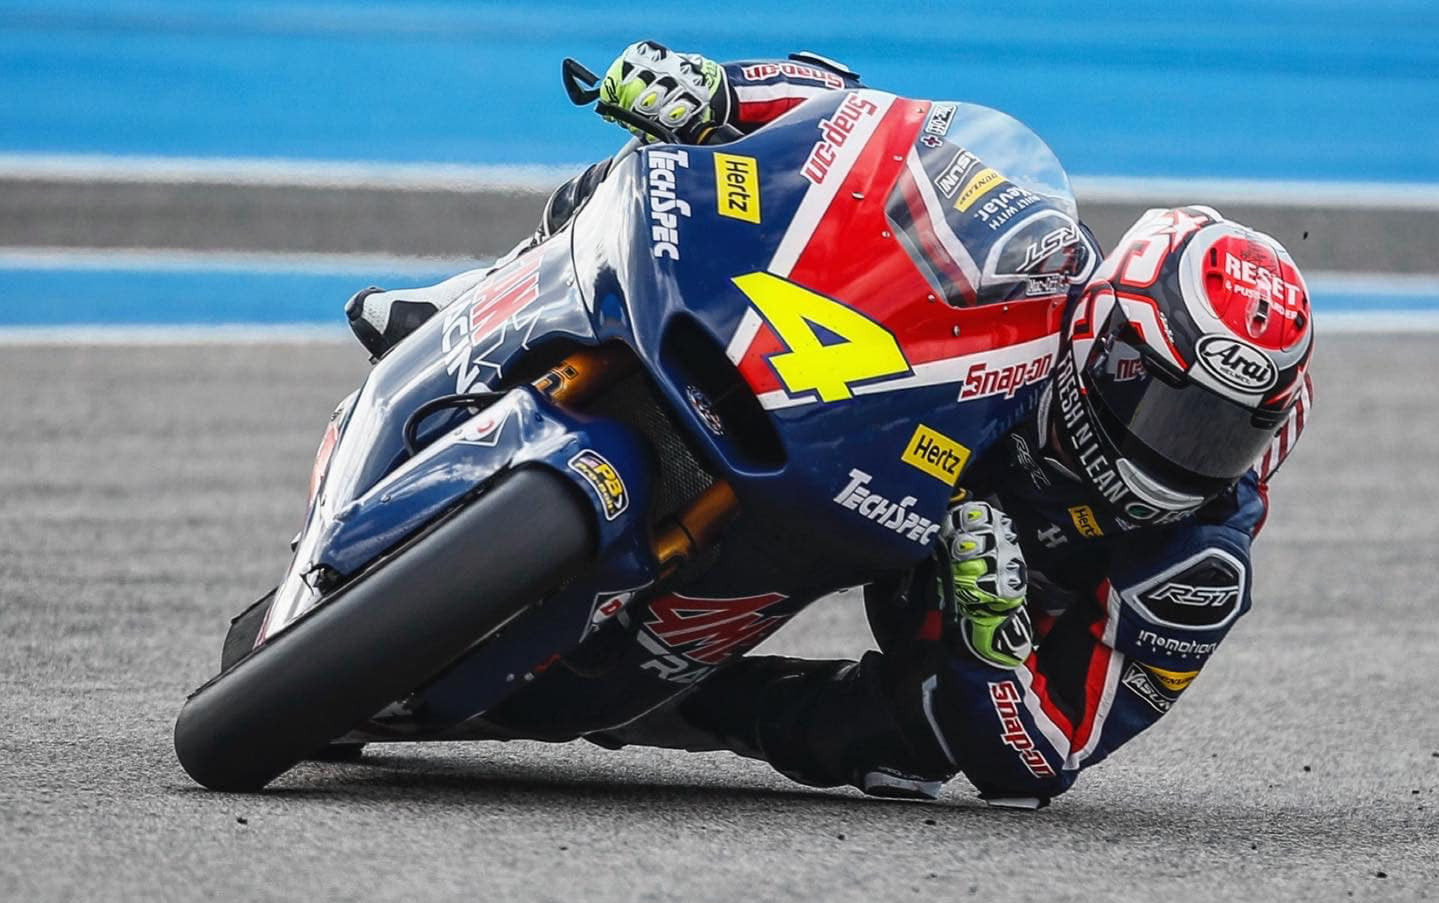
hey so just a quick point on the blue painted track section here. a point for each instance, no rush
(1284, 89)
(206, 296)
(212, 296)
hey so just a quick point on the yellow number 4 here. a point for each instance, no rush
(866, 350)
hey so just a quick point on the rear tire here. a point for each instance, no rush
(387, 632)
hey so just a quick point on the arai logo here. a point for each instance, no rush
(1237, 364)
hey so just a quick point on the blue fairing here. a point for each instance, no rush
(828, 490)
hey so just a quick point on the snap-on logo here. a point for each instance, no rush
(1237, 364)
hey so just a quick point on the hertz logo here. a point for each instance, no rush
(737, 187)
(936, 454)
(1084, 522)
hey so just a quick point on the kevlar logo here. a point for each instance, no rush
(1200, 593)
(1173, 681)
(690, 636)
(1084, 521)
(1005, 206)
(983, 182)
(1006, 698)
(604, 480)
(737, 187)
(936, 454)
(1136, 679)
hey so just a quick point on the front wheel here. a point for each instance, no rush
(386, 633)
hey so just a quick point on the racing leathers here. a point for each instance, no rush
(1125, 617)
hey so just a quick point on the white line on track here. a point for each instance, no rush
(281, 172)
(506, 177)
(218, 334)
(176, 260)
(1223, 192)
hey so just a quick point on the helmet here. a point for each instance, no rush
(1180, 362)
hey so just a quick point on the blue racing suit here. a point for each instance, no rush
(1125, 619)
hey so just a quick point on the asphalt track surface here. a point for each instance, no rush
(146, 493)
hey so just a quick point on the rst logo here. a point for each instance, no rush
(834, 133)
(1048, 245)
(1237, 364)
(737, 187)
(983, 379)
(477, 323)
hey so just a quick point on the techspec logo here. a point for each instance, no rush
(835, 132)
(665, 208)
(895, 516)
(1006, 697)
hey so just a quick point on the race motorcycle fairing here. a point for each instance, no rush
(765, 366)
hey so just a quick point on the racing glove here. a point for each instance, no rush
(685, 93)
(985, 586)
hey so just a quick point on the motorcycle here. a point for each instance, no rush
(744, 376)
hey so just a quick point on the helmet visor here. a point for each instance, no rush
(1166, 423)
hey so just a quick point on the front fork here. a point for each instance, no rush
(683, 536)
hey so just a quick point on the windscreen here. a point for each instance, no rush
(985, 211)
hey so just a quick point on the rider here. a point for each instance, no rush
(1094, 557)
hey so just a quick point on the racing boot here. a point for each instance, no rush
(380, 319)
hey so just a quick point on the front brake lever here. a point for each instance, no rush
(579, 82)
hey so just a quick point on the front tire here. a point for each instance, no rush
(387, 632)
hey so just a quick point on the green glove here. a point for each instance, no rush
(988, 582)
(683, 92)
